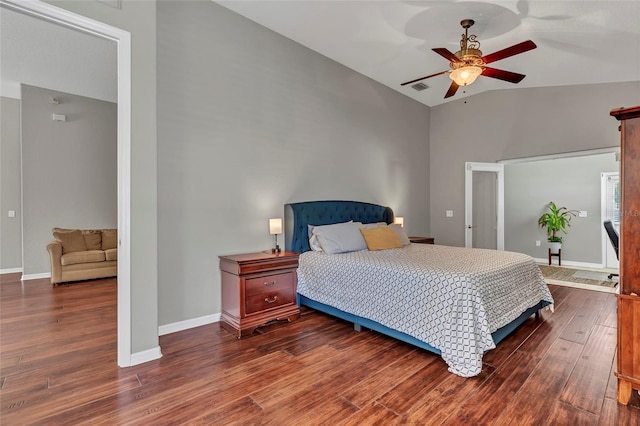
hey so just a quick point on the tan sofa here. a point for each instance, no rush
(83, 254)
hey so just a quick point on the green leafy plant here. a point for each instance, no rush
(557, 219)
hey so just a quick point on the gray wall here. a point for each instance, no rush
(69, 169)
(514, 123)
(44, 54)
(10, 228)
(248, 121)
(570, 108)
(138, 18)
(570, 182)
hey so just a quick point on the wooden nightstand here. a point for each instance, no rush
(258, 288)
(422, 240)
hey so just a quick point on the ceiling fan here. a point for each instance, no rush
(468, 63)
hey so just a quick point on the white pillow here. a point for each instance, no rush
(339, 237)
(400, 231)
(310, 228)
(314, 244)
(374, 225)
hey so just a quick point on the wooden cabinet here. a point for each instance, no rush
(258, 288)
(422, 240)
(628, 369)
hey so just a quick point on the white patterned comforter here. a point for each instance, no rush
(452, 298)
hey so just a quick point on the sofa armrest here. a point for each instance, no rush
(55, 257)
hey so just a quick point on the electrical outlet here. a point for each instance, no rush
(449, 213)
(582, 213)
(537, 243)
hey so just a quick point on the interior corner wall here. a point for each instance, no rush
(514, 123)
(10, 227)
(69, 169)
(249, 120)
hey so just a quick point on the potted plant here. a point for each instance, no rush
(556, 220)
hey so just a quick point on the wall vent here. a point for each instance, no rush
(420, 86)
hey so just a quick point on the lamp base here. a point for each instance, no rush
(276, 249)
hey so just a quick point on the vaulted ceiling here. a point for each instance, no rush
(579, 42)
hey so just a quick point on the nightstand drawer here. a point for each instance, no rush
(272, 299)
(268, 284)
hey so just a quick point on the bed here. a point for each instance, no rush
(455, 302)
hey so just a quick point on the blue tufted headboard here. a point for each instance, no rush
(297, 216)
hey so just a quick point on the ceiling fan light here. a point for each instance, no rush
(465, 75)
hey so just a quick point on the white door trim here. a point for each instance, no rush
(603, 214)
(123, 39)
(469, 168)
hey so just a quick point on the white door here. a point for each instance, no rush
(484, 205)
(610, 200)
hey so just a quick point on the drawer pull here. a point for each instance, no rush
(271, 284)
(266, 299)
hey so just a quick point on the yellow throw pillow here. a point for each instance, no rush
(381, 238)
(109, 239)
(71, 241)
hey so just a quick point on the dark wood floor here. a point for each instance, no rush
(58, 366)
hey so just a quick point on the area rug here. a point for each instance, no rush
(579, 278)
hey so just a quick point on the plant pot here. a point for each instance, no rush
(555, 247)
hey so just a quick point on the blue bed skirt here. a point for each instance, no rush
(499, 335)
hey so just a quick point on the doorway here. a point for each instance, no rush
(610, 199)
(571, 180)
(484, 205)
(55, 15)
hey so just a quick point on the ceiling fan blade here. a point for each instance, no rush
(452, 90)
(422, 78)
(509, 76)
(509, 51)
(446, 53)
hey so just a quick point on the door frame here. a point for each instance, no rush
(469, 168)
(62, 17)
(603, 212)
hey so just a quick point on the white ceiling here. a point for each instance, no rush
(579, 42)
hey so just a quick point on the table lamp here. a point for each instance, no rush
(275, 228)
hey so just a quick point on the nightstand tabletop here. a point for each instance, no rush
(422, 240)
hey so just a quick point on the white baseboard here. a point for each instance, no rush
(35, 276)
(10, 270)
(571, 263)
(145, 356)
(187, 324)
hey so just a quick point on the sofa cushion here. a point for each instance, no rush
(111, 254)
(82, 257)
(109, 239)
(92, 239)
(72, 241)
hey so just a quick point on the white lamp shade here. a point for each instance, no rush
(399, 220)
(465, 75)
(275, 226)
